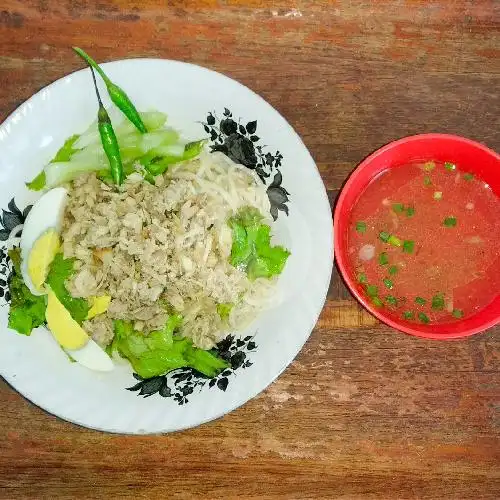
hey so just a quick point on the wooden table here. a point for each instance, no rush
(363, 412)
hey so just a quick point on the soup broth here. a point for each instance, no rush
(424, 242)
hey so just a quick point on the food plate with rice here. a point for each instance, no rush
(158, 285)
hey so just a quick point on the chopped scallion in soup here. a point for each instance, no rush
(429, 233)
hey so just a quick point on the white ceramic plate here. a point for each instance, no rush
(190, 95)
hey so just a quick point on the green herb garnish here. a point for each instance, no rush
(427, 181)
(428, 166)
(388, 283)
(408, 246)
(468, 176)
(377, 302)
(394, 241)
(390, 299)
(361, 226)
(372, 290)
(410, 211)
(384, 236)
(393, 270)
(449, 166)
(450, 222)
(398, 208)
(438, 195)
(383, 259)
(408, 315)
(438, 302)
(224, 310)
(457, 313)
(362, 278)
(423, 317)
(420, 300)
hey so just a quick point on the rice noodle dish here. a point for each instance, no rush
(143, 247)
(149, 246)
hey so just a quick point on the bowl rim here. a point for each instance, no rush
(341, 260)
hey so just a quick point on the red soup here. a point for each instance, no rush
(424, 240)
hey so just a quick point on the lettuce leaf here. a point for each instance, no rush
(251, 250)
(62, 269)
(27, 311)
(160, 352)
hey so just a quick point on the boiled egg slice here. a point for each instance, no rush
(40, 239)
(73, 338)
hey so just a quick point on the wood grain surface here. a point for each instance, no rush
(363, 412)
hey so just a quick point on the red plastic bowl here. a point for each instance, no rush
(484, 162)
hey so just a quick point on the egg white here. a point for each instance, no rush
(92, 357)
(47, 213)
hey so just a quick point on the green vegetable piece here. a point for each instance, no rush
(160, 352)
(383, 259)
(394, 241)
(408, 246)
(468, 176)
(410, 211)
(391, 300)
(66, 151)
(398, 208)
(118, 95)
(438, 195)
(63, 155)
(437, 302)
(158, 164)
(372, 290)
(224, 310)
(38, 183)
(457, 313)
(388, 283)
(362, 278)
(427, 181)
(393, 270)
(384, 236)
(108, 139)
(450, 222)
(449, 166)
(361, 227)
(408, 315)
(423, 317)
(429, 166)
(420, 300)
(377, 302)
(251, 250)
(62, 269)
(27, 311)
(193, 149)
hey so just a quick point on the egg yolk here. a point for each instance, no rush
(99, 305)
(65, 329)
(41, 256)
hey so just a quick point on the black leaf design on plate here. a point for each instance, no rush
(9, 220)
(251, 127)
(240, 143)
(210, 119)
(222, 384)
(12, 218)
(180, 384)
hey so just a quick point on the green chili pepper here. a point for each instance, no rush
(108, 139)
(118, 96)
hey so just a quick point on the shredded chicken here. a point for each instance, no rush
(157, 247)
